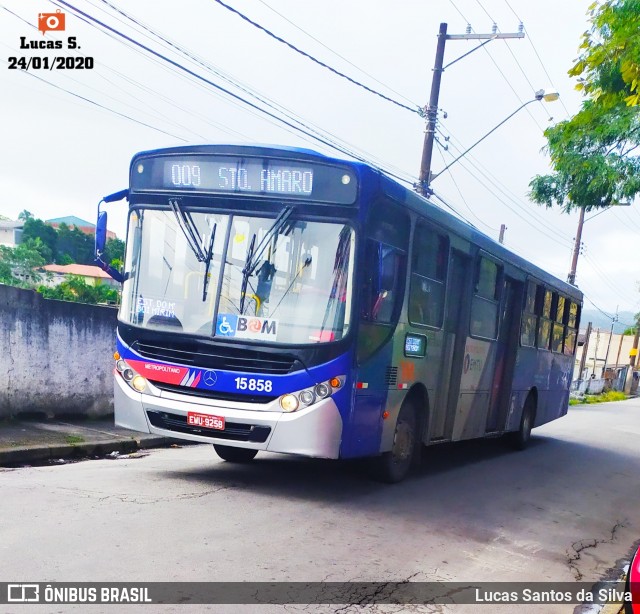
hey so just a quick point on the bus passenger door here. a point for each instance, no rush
(506, 352)
(456, 330)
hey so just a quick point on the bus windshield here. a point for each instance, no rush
(280, 280)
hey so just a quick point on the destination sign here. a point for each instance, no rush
(250, 176)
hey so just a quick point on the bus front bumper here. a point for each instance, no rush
(314, 431)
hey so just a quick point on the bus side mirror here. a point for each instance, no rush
(101, 233)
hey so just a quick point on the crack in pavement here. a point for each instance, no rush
(143, 500)
(580, 546)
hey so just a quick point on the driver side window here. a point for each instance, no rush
(381, 298)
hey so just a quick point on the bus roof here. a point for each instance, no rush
(402, 194)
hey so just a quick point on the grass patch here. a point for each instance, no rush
(73, 439)
(605, 397)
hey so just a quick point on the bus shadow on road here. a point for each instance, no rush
(460, 466)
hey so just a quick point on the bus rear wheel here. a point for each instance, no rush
(234, 455)
(393, 466)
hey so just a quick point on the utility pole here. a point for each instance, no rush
(501, 237)
(585, 347)
(576, 249)
(606, 356)
(632, 360)
(595, 353)
(431, 112)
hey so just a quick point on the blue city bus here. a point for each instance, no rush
(278, 299)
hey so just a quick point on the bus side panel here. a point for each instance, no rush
(475, 389)
(551, 378)
(557, 400)
(362, 431)
(527, 363)
(407, 371)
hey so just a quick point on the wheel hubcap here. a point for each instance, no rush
(402, 442)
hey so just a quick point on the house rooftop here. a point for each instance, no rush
(11, 224)
(71, 220)
(86, 270)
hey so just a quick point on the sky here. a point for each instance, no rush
(68, 135)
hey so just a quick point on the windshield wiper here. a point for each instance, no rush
(255, 253)
(189, 229)
(207, 262)
(190, 232)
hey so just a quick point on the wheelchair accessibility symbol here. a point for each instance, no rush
(227, 324)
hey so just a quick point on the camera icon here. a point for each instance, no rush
(51, 21)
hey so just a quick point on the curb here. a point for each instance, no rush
(38, 454)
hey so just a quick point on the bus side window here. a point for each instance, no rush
(545, 298)
(558, 324)
(428, 274)
(484, 305)
(529, 317)
(384, 266)
(571, 330)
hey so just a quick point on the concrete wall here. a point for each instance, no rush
(56, 357)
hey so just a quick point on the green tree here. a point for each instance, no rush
(76, 244)
(114, 252)
(36, 230)
(594, 154)
(76, 289)
(25, 215)
(18, 265)
(608, 68)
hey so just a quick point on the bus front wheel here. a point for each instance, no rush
(234, 455)
(393, 466)
(522, 436)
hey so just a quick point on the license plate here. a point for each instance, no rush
(206, 421)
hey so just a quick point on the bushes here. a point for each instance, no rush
(605, 397)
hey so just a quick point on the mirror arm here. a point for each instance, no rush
(109, 270)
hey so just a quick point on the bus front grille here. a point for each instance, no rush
(233, 431)
(215, 395)
(217, 357)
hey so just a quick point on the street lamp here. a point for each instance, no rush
(547, 96)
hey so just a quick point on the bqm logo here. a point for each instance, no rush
(246, 327)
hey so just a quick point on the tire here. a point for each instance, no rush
(393, 466)
(234, 455)
(520, 439)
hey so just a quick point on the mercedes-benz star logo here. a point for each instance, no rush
(210, 378)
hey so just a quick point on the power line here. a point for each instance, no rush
(496, 64)
(538, 221)
(219, 87)
(464, 200)
(324, 134)
(135, 83)
(544, 68)
(101, 106)
(319, 62)
(459, 11)
(364, 72)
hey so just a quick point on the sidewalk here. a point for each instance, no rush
(39, 441)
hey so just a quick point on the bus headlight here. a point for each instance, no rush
(322, 390)
(138, 383)
(289, 402)
(309, 396)
(135, 380)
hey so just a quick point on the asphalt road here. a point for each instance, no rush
(565, 509)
